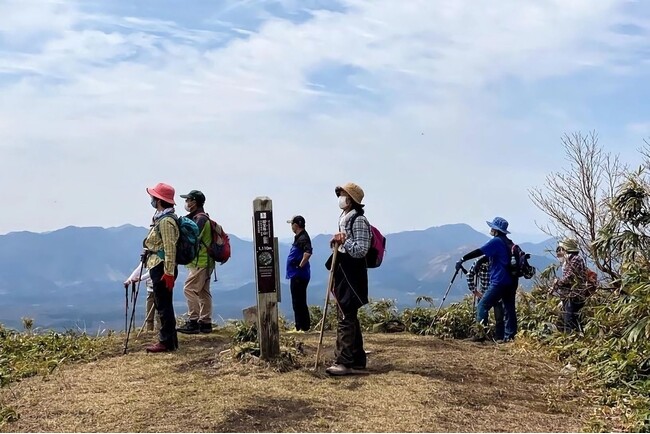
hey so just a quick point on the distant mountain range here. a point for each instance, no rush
(73, 277)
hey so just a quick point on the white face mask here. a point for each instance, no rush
(343, 202)
(187, 208)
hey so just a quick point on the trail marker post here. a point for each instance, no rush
(267, 278)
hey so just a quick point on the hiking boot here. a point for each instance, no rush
(205, 327)
(158, 347)
(337, 369)
(190, 328)
(504, 341)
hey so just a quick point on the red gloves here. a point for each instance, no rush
(169, 281)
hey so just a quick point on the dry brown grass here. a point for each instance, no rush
(416, 384)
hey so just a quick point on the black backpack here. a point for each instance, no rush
(519, 266)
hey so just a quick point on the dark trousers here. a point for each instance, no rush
(499, 325)
(299, 303)
(493, 295)
(349, 342)
(571, 315)
(163, 300)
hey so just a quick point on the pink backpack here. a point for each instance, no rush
(375, 254)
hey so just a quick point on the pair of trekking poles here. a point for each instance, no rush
(135, 289)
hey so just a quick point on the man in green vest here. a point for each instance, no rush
(197, 285)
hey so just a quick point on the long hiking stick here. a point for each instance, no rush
(330, 284)
(474, 308)
(477, 282)
(153, 306)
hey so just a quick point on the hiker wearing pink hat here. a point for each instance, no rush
(160, 248)
(164, 192)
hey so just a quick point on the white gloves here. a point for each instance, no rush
(136, 276)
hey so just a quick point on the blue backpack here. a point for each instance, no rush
(187, 246)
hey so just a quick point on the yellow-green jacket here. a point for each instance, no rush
(205, 236)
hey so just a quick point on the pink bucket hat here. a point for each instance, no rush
(163, 191)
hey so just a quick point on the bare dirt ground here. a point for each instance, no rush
(415, 384)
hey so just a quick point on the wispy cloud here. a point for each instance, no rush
(639, 128)
(417, 93)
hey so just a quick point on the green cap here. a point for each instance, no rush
(195, 195)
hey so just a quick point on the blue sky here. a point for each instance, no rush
(444, 111)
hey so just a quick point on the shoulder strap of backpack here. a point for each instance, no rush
(161, 253)
(212, 222)
(350, 223)
(508, 243)
(170, 216)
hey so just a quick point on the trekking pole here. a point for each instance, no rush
(435, 316)
(474, 307)
(477, 282)
(153, 306)
(330, 284)
(126, 306)
(134, 293)
(134, 297)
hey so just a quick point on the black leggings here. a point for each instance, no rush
(163, 299)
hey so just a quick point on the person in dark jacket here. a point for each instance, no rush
(503, 286)
(298, 271)
(350, 279)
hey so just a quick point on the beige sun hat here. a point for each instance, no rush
(353, 190)
(570, 245)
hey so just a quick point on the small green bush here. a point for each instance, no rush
(28, 354)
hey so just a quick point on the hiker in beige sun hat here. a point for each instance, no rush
(353, 190)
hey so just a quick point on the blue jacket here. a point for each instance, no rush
(497, 250)
(301, 245)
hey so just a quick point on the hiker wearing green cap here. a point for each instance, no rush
(503, 286)
(571, 287)
(197, 286)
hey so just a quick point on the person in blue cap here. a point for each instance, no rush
(503, 286)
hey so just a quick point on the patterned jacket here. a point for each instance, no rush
(573, 283)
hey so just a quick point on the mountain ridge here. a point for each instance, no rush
(74, 274)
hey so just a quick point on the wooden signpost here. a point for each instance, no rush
(267, 278)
